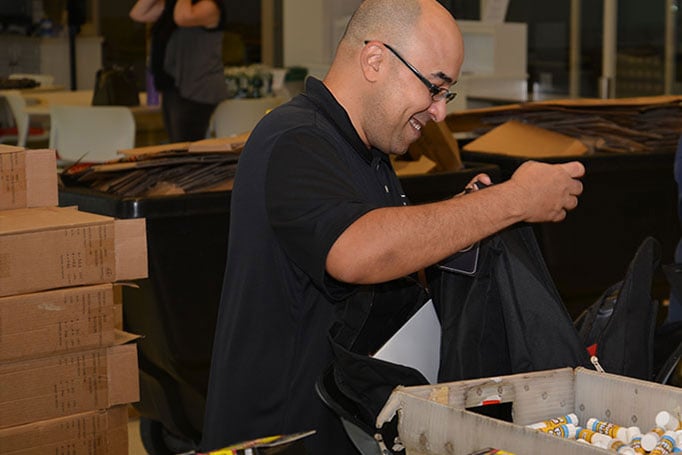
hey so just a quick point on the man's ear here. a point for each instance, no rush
(372, 59)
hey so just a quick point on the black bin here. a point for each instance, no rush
(626, 198)
(175, 309)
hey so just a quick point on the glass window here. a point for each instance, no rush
(641, 61)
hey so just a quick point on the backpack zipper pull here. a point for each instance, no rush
(595, 361)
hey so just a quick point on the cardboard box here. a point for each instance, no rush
(56, 386)
(217, 144)
(437, 143)
(51, 322)
(434, 419)
(28, 178)
(54, 247)
(91, 433)
(118, 307)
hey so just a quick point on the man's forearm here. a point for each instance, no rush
(391, 242)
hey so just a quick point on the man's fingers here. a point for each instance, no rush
(574, 168)
(484, 178)
(576, 188)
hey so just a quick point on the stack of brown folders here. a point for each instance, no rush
(178, 168)
(651, 124)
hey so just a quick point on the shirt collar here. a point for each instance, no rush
(320, 95)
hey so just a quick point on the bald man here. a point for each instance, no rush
(319, 220)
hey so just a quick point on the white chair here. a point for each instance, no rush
(17, 106)
(240, 115)
(91, 134)
(45, 80)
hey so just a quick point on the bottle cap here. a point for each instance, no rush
(649, 441)
(666, 420)
(622, 434)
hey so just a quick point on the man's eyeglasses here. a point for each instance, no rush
(437, 93)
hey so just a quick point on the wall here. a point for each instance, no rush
(310, 39)
(23, 54)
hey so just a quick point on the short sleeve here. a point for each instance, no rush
(311, 199)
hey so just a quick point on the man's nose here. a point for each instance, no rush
(438, 110)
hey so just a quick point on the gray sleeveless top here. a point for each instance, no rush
(194, 60)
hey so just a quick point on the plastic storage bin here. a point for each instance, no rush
(438, 419)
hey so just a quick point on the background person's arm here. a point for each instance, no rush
(146, 10)
(204, 13)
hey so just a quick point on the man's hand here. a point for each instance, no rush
(481, 180)
(546, 192)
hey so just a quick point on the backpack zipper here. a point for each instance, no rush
(595, 361)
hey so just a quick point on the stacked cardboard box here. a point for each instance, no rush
(67, 371)
(27, 178)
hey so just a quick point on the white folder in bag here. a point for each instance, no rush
(416, 344)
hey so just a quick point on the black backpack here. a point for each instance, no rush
(619, 328)
(504, 319)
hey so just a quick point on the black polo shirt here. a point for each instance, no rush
(303, 178)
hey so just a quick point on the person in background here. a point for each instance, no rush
(186, 61)
(318, 217)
